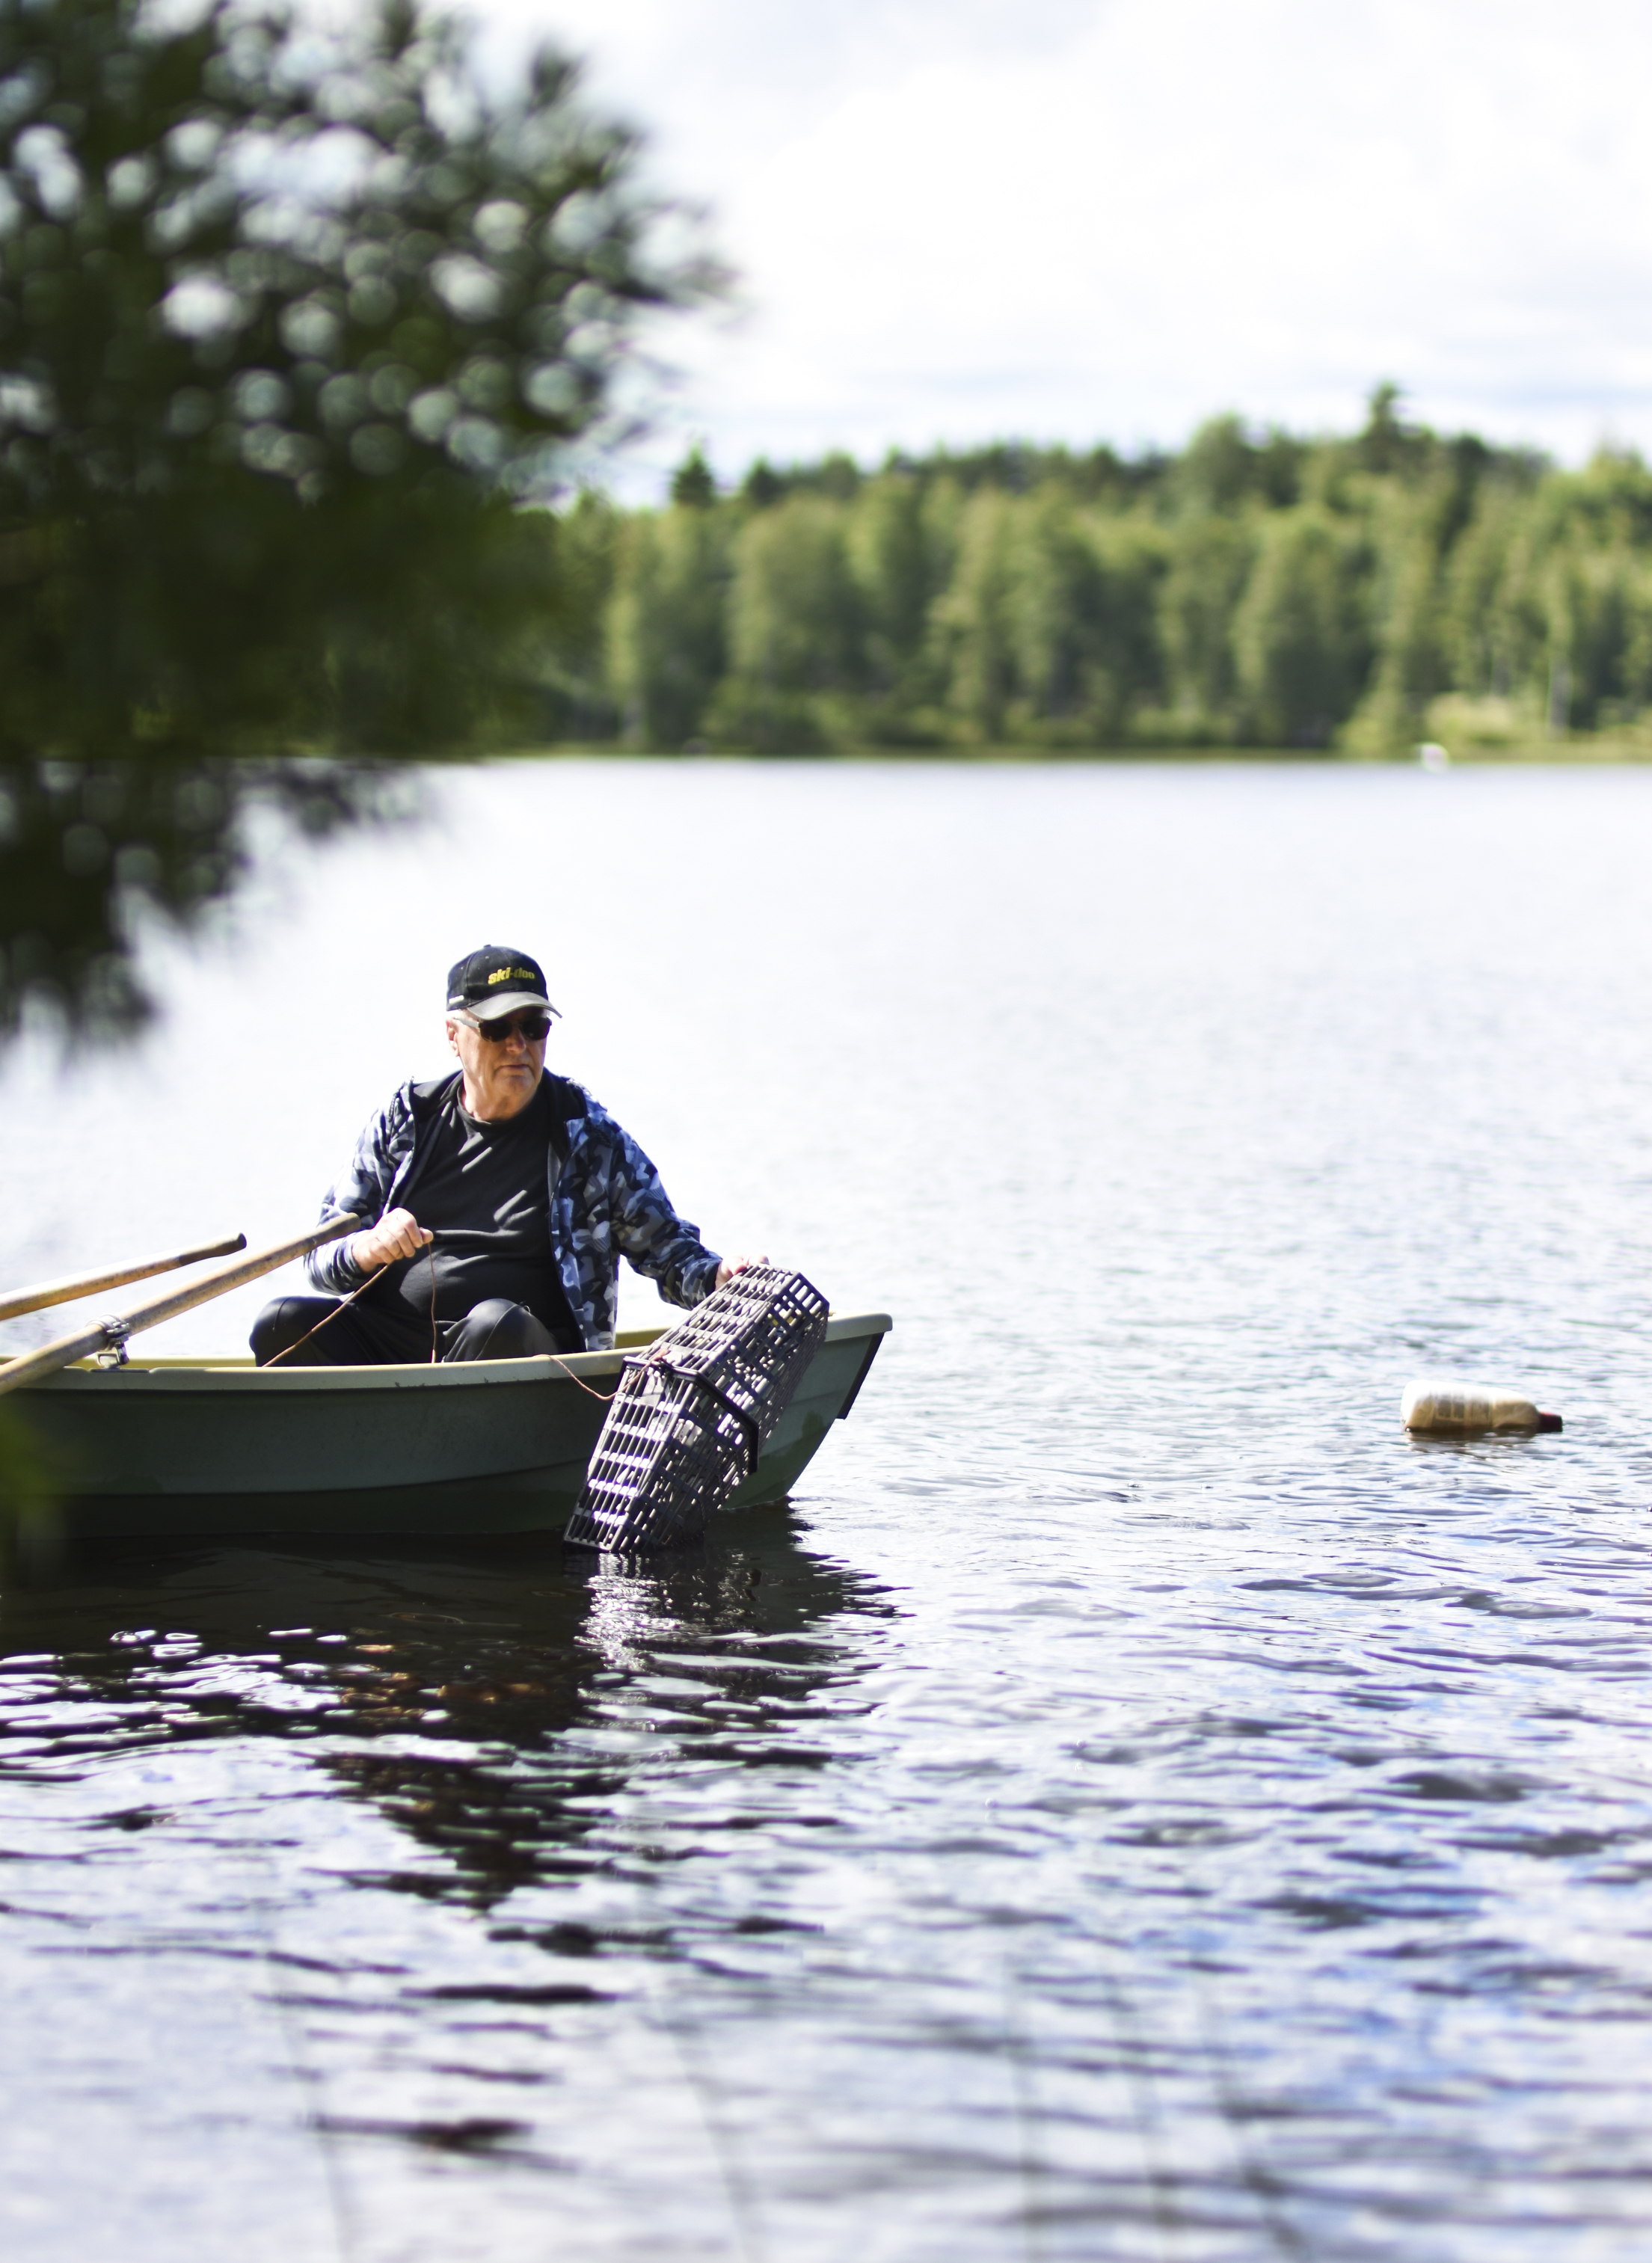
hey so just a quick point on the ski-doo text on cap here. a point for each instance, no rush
(494, 980)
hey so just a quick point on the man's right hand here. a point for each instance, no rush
(397, 1234)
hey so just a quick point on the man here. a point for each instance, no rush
(500, 1202)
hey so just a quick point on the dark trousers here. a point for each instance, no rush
(360, 1336)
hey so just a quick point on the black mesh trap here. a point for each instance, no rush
(694, 1411)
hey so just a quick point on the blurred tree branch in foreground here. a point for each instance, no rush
(293, 323)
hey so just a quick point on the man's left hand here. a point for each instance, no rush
(728, 1267)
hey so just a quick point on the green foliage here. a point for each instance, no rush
(85, 844)
(761, 486)
(1302, 633)
(894, 555)
(568, 667)
(668, 637)
(975, 615)
(692, 483)
(1223, 469)
(796, 627)
(1210, 563)
(293, 324)
(1354, 593)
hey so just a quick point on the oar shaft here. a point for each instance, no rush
(110, 1276)
(110, 1334)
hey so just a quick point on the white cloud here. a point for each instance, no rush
(1078, 221)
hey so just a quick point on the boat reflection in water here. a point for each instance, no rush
(470, 1693)
(413, 1847)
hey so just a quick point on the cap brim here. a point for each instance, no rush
(512, 1003)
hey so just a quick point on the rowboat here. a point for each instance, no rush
(218, 1448)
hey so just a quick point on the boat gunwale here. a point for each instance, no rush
(569, 1368)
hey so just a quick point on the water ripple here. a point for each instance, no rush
(1135, 1804)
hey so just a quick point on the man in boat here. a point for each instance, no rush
(500, 1201)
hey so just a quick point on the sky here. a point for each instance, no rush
(959, 220)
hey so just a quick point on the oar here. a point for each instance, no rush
(111, 1276)
(111, 1335)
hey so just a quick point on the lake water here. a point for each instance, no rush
(1134, 1803)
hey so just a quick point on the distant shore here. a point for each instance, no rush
(1358, 595)
(1577, 752)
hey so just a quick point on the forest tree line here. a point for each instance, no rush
(1255, 590)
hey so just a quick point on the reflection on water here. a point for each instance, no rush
(327, 1763)
(1137, 1803)
(486, 1704)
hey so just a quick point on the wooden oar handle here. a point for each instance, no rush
(111, 1335)
(42, 1293)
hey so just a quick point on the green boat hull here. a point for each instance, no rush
(227, 1450)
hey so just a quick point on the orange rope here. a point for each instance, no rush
(321, 1323)
(603, 1395)
(587, 1388)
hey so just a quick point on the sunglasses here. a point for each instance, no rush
(534, 1027)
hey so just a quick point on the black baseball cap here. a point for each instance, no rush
(494, 980)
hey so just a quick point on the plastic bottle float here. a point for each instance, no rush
(1460, 1410)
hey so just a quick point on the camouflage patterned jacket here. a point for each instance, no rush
(606, 1203)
